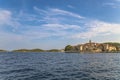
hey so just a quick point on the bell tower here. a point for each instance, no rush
(90, 41)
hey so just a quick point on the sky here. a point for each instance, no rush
(49, 24)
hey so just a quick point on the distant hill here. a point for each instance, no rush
(3, 50)
(53, 50)
(28, 50)
(36, 50)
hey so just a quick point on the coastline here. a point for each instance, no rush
(90, 47)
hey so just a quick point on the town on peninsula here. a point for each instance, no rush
(94, 47)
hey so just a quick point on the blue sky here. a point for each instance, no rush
(48, 24)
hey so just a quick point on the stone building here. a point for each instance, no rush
(94, 47)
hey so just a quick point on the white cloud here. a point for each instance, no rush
(50, 30)
(26, 16)
(61, 26)
(5, 17)
(70, 6)
(114, 4)
(54, 15)
(63, 12)
(99, 28)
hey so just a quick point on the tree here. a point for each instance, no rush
(68, 48)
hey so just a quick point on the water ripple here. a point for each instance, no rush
(59, 66)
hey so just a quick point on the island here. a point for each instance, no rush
(28, 50)
(93, 47)
(36, 50)
(3, 50)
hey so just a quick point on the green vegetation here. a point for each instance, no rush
(21, 50)
(36, 50)
(27, 50)
(53, 50)
(3, 51)
(68, 48)
(113, 44)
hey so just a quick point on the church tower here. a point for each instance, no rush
(90, 41)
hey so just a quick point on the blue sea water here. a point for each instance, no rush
(59, 66)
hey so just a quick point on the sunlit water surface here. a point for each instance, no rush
(59, 66)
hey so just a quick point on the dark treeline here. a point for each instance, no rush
(36, 50)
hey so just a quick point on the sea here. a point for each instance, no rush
(59, 66)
